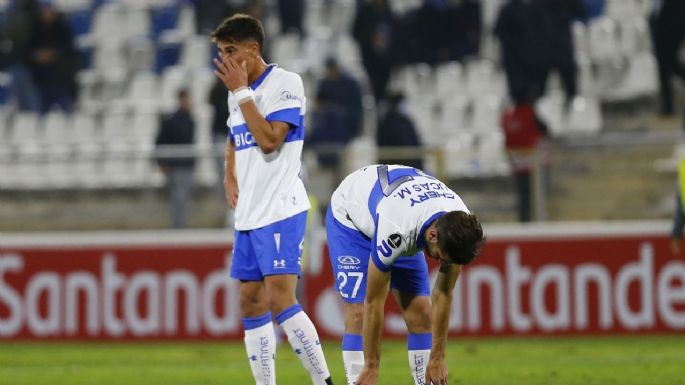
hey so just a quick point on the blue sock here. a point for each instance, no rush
(419, 349)
(353, 356)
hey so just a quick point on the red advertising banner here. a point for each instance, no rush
(580, 284)
(98, 293)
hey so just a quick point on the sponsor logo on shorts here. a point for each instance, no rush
(349, 260)
(279, 263)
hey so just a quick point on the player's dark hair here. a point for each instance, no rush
(239, 28)
(460, 236)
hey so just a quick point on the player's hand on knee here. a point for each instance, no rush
(436, 372)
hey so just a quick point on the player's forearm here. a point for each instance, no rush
(263, 133)
(441, 300)
(377, 287)
(373, 324)
(441, 303)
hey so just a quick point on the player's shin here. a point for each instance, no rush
(260, 343)
(305, 342)
(419, 348)
(353, 356)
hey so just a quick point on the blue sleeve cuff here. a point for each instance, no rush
(379, 264)
(288, 115)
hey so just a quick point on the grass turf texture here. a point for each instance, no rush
(559, 361)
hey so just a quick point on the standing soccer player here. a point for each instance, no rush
(392, 215)
(262, 182)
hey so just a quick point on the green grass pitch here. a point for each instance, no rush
(635, 360)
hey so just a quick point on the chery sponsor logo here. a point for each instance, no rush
(109, 303)
(348, 262)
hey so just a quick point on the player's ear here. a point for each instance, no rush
(432, 234)
(254, 49)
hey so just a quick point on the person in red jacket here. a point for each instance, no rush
(523, 131)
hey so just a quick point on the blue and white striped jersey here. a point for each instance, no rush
(270, 187)
(392, 205)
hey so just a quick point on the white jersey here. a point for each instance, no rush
(269, 185)
(393, 206)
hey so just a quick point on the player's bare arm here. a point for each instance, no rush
(268, 135)
(230, 180)
(377, 287)
(441, 299)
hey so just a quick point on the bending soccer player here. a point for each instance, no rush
(381, 221)
(262, 182)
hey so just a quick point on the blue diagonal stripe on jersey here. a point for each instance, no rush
(377, 192)
(242, 138)
(263, 76)
(289, 115)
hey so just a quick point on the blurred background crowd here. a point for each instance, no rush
(531, 109)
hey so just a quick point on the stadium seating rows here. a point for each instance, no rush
(138, 54)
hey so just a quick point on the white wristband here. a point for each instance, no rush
(243, 95)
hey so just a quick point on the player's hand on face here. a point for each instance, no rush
(436, 372)
(231, 192)
(368, 376)
(231, 73)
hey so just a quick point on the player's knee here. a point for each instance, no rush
(252, 303)
(279, 301)
(418, 318)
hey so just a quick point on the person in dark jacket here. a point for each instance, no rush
(535, 38)
(291, 15)
(374, 30)
(175, 130)
(558, 17)
(16, 34)
(396, 129)
(519, 28)
(339, 88)
(668, 32)
(53, 61)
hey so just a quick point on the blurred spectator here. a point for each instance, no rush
(535, 38)
(442, 30)
(668, 33)
(396, 129)
(558, 17)
(218, 98)
(374, 29)
(519, 27)
(178, 129)
(337, 117)
(291, 16)
(523, 132)
(340, 88)
(330, 132)
(210, 13)
(54, 60)
(594, 8)
(16, 34)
